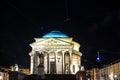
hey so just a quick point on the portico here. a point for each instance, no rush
(56, 55)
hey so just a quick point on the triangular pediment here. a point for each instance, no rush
(52, 41)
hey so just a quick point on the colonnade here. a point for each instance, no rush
(64, 67)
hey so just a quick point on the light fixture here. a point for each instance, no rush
(1, 77)
(115, 76)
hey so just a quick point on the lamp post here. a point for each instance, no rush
(98, 56)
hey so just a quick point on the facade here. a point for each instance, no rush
(13, 73)
(20, 70)
(4, 75)
(93, 74)
(108, 72)
(111, 71)
(55, 53)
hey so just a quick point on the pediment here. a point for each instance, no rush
(52, 41)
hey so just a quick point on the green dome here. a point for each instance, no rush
(56, 34)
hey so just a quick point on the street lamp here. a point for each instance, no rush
(98, 56)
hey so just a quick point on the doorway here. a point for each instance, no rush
(52, 67)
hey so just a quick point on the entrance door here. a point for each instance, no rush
(52, 67)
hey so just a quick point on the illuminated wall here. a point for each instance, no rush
(4, 75)
(108, 72)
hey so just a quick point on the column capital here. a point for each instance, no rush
(63, 52)
(55, 51)
(70, 52)
(31, 53)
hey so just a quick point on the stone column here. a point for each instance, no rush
(70, 61)
(31, 64)
(63, 62)
(48, 64)
(55, 58)
(36, 62)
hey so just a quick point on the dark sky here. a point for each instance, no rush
(94, 24)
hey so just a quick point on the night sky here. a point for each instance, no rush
(93, 24)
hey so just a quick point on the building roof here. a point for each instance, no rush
(56, 34)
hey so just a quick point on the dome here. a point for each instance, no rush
(55, 33)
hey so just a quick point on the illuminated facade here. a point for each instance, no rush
(93, 74)
(55, 53)
(108, 72)
(4, 75)
(111, 71)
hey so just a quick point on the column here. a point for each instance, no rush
(63, 62)
(48, 64)
(36, 62)
(70, 62)
(32, 64)
(55, 58)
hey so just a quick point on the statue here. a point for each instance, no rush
(41, 66)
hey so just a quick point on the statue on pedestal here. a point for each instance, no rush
(41, 66)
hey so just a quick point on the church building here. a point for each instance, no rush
(55, 53)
